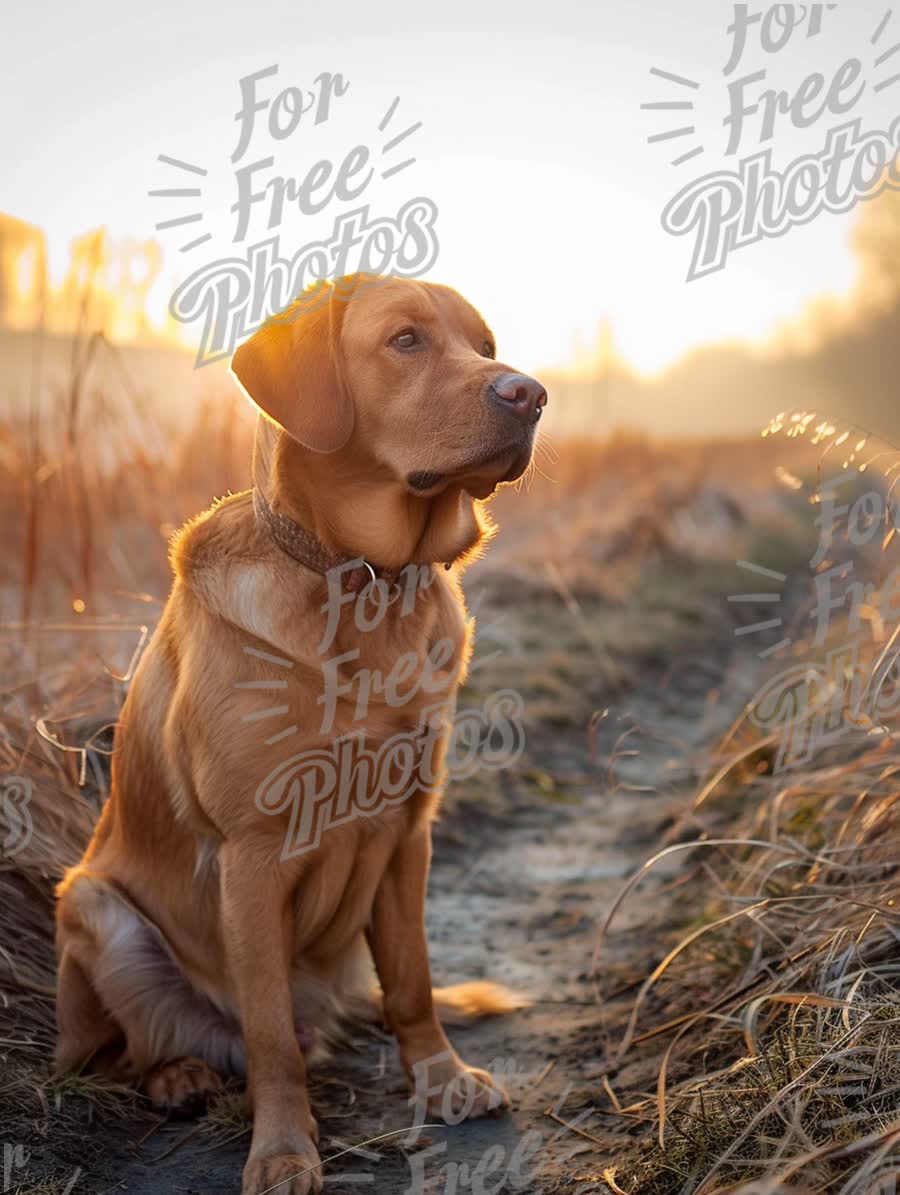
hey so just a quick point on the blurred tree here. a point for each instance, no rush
(23, 273)
(107, 285)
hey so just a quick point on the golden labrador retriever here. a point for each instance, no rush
(243, 874)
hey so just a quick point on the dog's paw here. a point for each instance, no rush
(182, 1087)
(289, 1174)
(464, 1093)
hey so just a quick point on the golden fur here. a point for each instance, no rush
(189, 945)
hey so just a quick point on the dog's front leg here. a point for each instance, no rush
(442, 1083)
(255, 911)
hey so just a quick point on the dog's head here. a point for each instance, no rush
(403, 375)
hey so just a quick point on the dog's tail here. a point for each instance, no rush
(456, 1005)
(465, 1002)
(359, 996)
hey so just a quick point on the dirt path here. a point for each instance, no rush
(524, 874)
(625, 701)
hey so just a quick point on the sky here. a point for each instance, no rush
(533, 146)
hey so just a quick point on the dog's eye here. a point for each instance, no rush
(407, 339)
(487, 349)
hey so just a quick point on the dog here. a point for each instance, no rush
(196, 938)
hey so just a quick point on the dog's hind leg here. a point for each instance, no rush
(86, 1031)
(90, 1040)
(119, 981)
(182, 1087)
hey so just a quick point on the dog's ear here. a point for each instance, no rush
(289, 369)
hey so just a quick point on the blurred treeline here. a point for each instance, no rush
(840, 357)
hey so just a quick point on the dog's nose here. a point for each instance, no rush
(522, 396)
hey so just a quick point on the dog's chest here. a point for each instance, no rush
(384, 668)
(371, 716)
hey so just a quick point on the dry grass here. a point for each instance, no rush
(764, 1049)
(772, 1025)
(91, 493)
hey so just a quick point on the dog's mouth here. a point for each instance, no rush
(421, 483)
(479, 475)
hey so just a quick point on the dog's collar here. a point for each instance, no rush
(301, 545)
